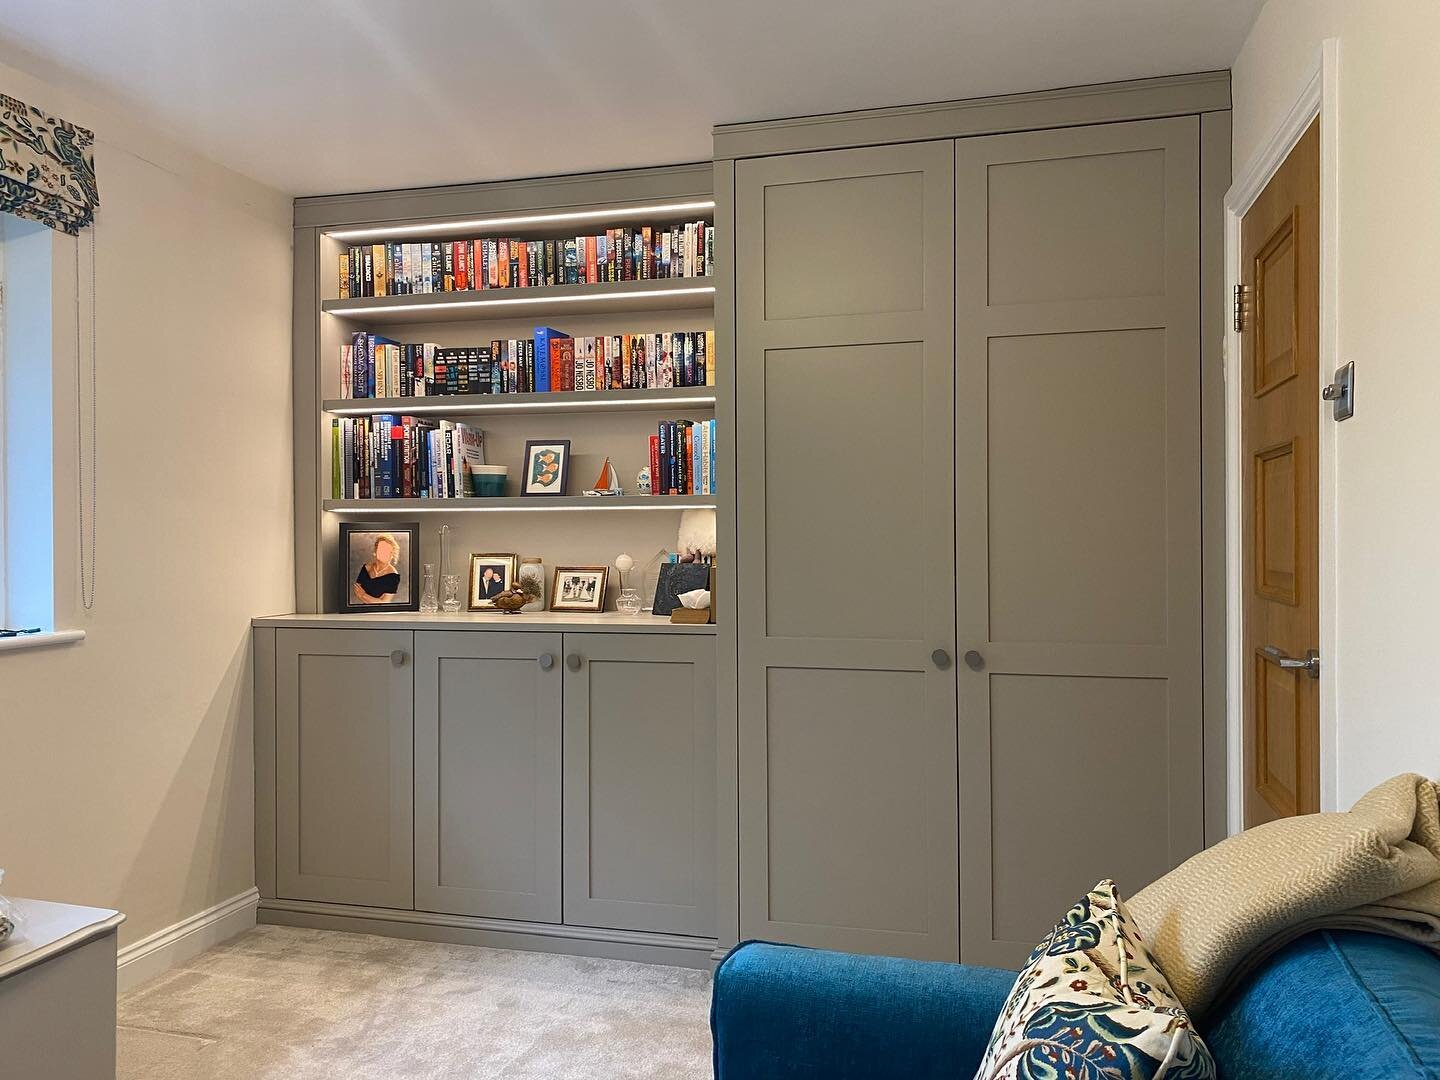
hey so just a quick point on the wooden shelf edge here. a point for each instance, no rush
(522, 504)
(686, 398)
(477, 304)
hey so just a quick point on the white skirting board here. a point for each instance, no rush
(142, 960)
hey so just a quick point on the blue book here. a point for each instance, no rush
(543, 336)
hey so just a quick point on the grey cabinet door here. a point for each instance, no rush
(344, 725)
(640, 806)
(845, 562)
(1078, 519)
(487, 774)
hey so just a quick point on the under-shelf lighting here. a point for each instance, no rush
(487, 223)
(701, 290)
(447, 505)
(460, 404)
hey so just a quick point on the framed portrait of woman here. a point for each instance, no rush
(379, 566)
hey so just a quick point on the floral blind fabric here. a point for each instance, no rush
(47, 167)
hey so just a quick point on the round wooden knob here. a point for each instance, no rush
(573, 661)
(546, 661)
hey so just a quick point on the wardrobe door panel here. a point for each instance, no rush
(845, 563)
(1078, 519)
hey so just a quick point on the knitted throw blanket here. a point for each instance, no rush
(1217, 916)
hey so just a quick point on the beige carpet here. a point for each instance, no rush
(301, 1004)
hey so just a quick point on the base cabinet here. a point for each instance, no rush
(343, 731)
(528, 779)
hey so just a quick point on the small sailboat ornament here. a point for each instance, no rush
(608, 483)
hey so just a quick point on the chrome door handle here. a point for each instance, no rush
(1280, 658)
(546, 661)
(573, 661)
(398, 657)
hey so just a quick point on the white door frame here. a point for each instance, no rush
(1318, 98)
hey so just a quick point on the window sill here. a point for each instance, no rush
(41, 641)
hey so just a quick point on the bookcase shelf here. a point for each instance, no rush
(531, 504)
(655, 294)
(671, 398)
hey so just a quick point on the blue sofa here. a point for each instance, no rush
(1332, 1005)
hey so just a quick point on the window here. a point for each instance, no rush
(27, 505)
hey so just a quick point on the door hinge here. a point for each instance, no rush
(1242, 303)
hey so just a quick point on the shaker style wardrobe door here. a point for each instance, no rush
(343, 766)
(1078, 519)
(845, 568)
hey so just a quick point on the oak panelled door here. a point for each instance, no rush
(1078, 524)
(845, 563)
(1280, 545)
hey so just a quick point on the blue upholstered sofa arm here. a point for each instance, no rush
(782, 1013)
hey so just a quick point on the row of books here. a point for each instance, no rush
(403, 457)
(402, 268)
(682, 458)
(372, 366)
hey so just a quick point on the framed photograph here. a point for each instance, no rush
(677, 578)
(379, 566)
(579, 588)
(490, 575)
(546, 469)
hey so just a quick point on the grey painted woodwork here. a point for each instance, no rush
(343, 757)
(640, 777)
(1078, 516)
(845, 556)
(1136, 99)
(1214, 182)
(263, 642)
(487, 774)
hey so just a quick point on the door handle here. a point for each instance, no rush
(546, 661)
(974, 661)
(941, 659)
(398, 657)
(573, 661)
(1281, 659)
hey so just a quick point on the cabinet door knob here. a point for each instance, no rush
(398, 657)
(974, 661)
(573, 661)
(546, 661)
(941, 659)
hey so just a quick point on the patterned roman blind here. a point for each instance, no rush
(47, 168)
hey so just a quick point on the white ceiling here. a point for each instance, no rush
(313, 96)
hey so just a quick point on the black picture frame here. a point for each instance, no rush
(677, 578)
(359, 542)
(557, 484)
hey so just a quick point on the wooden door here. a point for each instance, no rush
(845, 564)
(1280, 541)
(640, 782)
(487, 773)
(344, 725)
(1078, 519)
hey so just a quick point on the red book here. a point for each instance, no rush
(590, 268)
(562, 363)
(504, 260)
(462, 274)
(524, 264)
(654, 464)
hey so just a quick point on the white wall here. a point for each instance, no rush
(1388, 455)
(125, 761)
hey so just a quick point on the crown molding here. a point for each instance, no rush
(1136, 99)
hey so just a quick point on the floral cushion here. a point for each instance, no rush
(1090, 1005)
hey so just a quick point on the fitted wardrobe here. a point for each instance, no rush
(966, 656)
(973, 462)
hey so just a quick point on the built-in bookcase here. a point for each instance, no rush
(575, 529)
